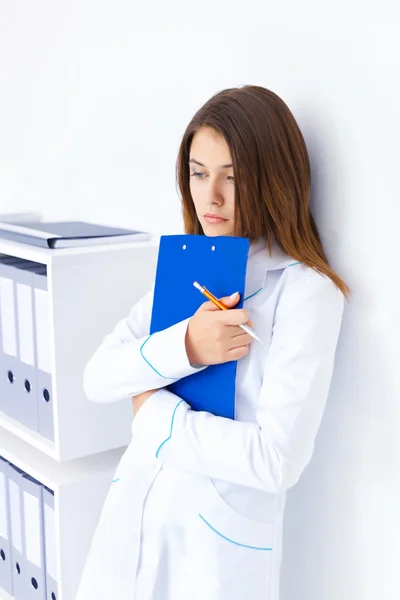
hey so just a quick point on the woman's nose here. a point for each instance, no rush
(214, 195)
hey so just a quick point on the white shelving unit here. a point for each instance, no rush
(80, 487)
(90, 289)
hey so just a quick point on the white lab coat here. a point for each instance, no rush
(196, 506)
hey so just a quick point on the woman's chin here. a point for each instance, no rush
(216, 230)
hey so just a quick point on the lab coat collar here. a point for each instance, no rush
(260, 261)
(259, 253)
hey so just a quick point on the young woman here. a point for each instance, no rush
(196, 507)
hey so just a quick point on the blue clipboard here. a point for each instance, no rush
(218, 263)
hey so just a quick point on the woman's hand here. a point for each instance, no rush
(213, 335)
(138, 401)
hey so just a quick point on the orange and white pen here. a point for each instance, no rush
(222, 306)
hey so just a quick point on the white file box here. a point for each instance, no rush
(78, 298)
(80, 488)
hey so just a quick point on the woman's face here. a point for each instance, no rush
(211, 182)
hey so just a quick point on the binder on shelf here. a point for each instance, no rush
(50, 544)
(219, 264)
(18, 360)
(17, 531)
(25, 385)
(44, 386)
(9, 356)
(35, 569)
(68, 234)
(6, 580)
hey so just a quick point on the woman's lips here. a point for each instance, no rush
(214, 219)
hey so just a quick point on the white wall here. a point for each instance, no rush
(94, 98)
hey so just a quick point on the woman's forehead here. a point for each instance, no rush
(210, 149)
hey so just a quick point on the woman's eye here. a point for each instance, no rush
(203, 175)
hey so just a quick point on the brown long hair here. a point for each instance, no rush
(271, 169)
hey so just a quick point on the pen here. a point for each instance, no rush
(222, 306)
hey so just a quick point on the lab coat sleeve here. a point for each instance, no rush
(271, 453)
(130, 361)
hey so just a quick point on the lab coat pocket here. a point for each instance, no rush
(235, 551)
(235, 528)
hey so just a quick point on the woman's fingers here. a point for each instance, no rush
(241, 339)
